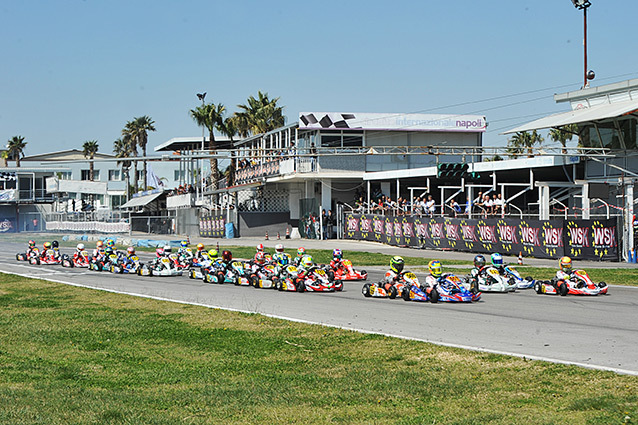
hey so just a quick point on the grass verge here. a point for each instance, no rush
(73, 355)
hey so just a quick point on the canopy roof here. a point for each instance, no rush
(141, 201)
(595, 113)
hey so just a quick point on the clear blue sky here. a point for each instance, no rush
(78, 70)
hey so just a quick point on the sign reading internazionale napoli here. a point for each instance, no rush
(389, 121)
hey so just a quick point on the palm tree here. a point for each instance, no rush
(138, 129)
(5, 158)
(16, 146)
(523, 141)
(563, 134)
(122, 149)
(89, 149)
(210, 116)
(229, 129)
(259, 115)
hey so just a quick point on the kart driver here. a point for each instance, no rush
(130, 253)
(337, 258)
(32, 250)
(184, 250)
(497, 262)
(79, 249)
(479, 267)
(55, 245)
(301, 251)
(393, 275)
(565, 269)
(45, 248)
(305, 266)
(436, 273)
(281, 258)
(200, 254)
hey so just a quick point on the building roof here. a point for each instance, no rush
(592, 114)
(141, 201)
(71, 154)
(189, 144)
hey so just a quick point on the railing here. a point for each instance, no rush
(252, 172)
(30, 195)
(185, 200)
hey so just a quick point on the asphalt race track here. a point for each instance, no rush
(598, 332)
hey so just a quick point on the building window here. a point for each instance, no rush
(180, 175)
(114, 176)
(117, 200)
(64, 175)
(85, 175)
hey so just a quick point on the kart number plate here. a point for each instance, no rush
(165, 260)
(320, 272)
(410, 275)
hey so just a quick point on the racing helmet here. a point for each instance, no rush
(55, 244)
(130, 250)
(167, 249)
(337, 254)
(497, 259)
(99, 244)
(267, 257)
(184, 244)
(110, 242)
(301, 251)
(200, 246)
(227, 255)
(479, 261)
(159, 251)
(80, 247)
(282, 259)
(279, 248)
(260, 247)
(396, 264)
(565, 264)
(47, 245)
(260, 258)
(212, 254)
(435, 268)
(31, 243)
(307, 261)
(108, 250)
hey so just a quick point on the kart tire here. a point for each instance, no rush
(562, 289)
(220, 278)
(434, 296)
(363, 272)
(191, 274)
(366, 290)
(339, 285)
(254, 281)
(112, 268)
(538, 287)
(301, 287)
(278, 284)
(331, 275)
(529, 278)
(392, 292)
(36, 261)
(17, 257)
(405, 293)
(602, 285)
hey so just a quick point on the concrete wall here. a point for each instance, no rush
(187, 221)
(258, 223)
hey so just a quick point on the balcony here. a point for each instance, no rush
(185, 200)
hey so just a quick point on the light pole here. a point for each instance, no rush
(200, 162)
(584, 5)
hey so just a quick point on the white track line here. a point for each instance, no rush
(309, 322)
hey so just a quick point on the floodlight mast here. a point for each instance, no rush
(584, 5)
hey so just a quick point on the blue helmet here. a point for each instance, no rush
(497, 259)
(184, 244)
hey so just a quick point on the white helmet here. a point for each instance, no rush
(167, 249)
(80, 247)
(279, 248)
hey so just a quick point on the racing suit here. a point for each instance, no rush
(336, 263)
(561, 275)
(477, 272)
(32, 252)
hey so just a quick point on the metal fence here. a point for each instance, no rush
(165, 225)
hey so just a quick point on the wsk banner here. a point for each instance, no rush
(212, 226)
(579, 239)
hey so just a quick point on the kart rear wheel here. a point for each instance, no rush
(363, 273)
(529, 278)
(602, 285)
(331, 275)
(392, 292)
(405, 293)
(366, 290)
(301, 287)
(220, 277)
(254, 281)
(474, 287)
(339, 285)
(538, 287)
(191, 274)
(18, 257)
(434, 296)
(278, 284)
(562, 288)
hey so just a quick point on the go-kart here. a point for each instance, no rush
(80, 259)
(346, 271)
(262, 276)
(103, 263)
(413, 291)
(26, 256)
(232, 274)
(491, 280)
(198, 269)
(126, 264)
(288, 280)
(49, 256)
(379, 290)
(317, 280)
(511, 272)
(162, 266)
(451, 289)
(182, 260)
(579, 283)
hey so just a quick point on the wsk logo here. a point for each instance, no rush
(487, 234)
(554, 237)
(468, 233)
(508, 234)
(353, 224)
(436, 229)
(530, 236)
(579, 236)
(604, 236)
(452, 231)
(366, 225)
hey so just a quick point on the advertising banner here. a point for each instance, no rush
(212, 226)
(579, 239)
(7, 225)
(402, 122)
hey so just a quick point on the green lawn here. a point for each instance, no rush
(73, 355)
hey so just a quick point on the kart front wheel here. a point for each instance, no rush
(434, 296)
(538, 287)
(562, 289)
(301, 287)
(602, 285)
(405, 293)
(366, 290)
(392, 292)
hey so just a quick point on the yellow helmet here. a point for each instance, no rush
(565, 264)
(435, 268)
(396, 264)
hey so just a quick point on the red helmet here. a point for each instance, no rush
(31, 243)
(260, 247)
(260, 258)
(200, 246)
(99, 244)
(159, 251)
(227, 255)
(130, 250)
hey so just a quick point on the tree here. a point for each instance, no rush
(122, 148)
(137, 129)
(522, 142)
(211, 117)
(15, 147)
(229, 129)
(259, 115)
(563, 134)
(89, 149)
(5, 158)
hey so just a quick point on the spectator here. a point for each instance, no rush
(332, 222)
(499, 204)
(313, 156)
(455, 207)
(488, 206)
(430, 206)
(324, 224)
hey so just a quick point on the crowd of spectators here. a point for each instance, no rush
(181, 190)
(425, 205)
